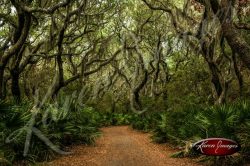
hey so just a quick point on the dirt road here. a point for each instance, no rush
(122, 146)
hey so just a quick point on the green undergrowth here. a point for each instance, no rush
(188, 124)
(65, 126)
(60, 125)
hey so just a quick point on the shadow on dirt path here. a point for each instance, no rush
(121, 146)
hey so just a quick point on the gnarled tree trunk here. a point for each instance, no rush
(15, 88)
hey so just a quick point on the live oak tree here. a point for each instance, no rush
(215, 27)
(128, 51)
(70, 23)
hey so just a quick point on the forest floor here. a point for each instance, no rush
(121, 146)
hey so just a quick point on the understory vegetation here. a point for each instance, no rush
(74, 125)
(186, 125)
(179, 69)
(53, 128)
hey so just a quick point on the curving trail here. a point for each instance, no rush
(121, 146)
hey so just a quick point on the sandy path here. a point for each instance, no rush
(121, 146)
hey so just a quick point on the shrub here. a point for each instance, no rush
(192, 123)
(177, 126)
(115, 119)
(61, 126)
(146, 121)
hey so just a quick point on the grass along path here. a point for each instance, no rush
(121, 146)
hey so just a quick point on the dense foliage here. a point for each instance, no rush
(173, 67)
(62, 127)
(187, 125)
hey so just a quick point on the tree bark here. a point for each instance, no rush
(238, 74)
(135, 94)
(14, 50)
(15, 88)
(215, 80)
(237, 42)
(2, 82)
(230, 32)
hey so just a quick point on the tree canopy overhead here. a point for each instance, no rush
(171, 51)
